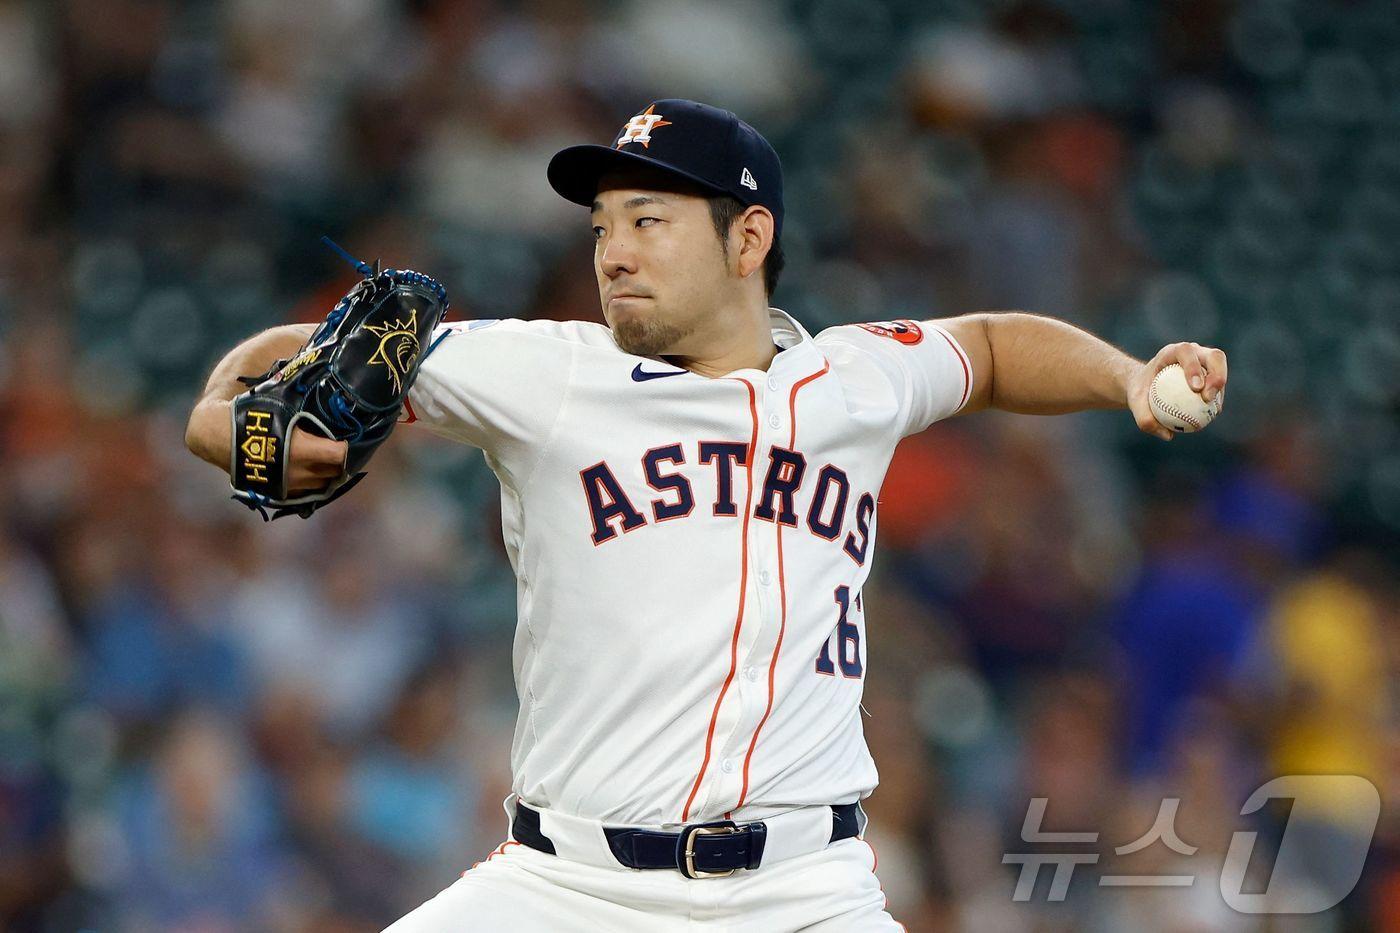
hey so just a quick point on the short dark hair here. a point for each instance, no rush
(724, 208)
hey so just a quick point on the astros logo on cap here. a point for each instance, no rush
(638, 129)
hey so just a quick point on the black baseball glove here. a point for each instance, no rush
(347, 383)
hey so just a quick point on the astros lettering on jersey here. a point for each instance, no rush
(690, 553)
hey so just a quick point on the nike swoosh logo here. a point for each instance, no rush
(641, 375)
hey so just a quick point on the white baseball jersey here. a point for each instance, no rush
(690, 552)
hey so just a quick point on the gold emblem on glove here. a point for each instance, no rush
(398, 347)
(259, 447)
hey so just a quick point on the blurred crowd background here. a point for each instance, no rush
(211, 724)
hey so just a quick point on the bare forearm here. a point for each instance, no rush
(1044, 366)
(208, 434)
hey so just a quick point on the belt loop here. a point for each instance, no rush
(846, 821)
(758, 838)
(509, 805)
(526, 829)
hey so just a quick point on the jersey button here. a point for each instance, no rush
(772, 383)
(774, 421)
(765, 577)
(751, 673)
(727, 766)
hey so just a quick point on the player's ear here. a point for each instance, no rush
(754, 229)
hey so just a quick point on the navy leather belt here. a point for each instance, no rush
(701, 850)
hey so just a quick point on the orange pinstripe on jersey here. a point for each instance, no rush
(782, 586)
(743, 586)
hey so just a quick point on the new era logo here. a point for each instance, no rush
(747, 181)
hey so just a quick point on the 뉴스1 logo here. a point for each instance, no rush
(638, 129)
(1292, 886)
(905, 331)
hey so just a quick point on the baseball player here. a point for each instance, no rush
(689, 502)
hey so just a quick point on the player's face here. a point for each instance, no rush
(661, 269)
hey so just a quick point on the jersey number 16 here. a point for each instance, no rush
(847, 640)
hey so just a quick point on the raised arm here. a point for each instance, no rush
(1043, 366)
(314, 461)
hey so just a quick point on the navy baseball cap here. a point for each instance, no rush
(710, 147)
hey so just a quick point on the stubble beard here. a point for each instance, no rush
(647, 336)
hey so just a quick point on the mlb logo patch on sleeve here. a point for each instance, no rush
(905, 331)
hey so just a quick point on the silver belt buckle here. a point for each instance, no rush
(688, 848)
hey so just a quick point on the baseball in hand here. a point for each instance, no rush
(1177, 405)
